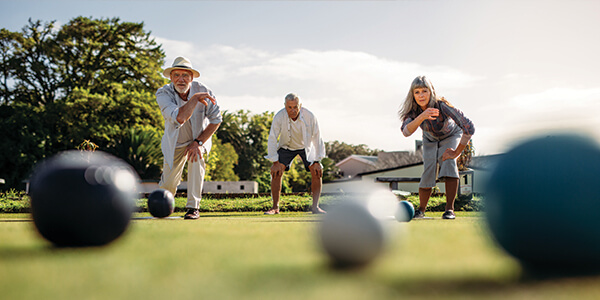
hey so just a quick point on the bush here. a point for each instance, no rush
(13, 201)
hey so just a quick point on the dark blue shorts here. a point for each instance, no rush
(287, 156)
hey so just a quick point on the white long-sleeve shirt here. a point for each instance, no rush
(281, 134)
(170, 102)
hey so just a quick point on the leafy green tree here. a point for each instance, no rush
(330, 171)
(257, 136)
(221, 162)
(22, 144)
(248, 134)
(231, 130)
(297, 178)
(102, 117)
(48, 64)
(90, 79)
(7, 47)
(300, 180)
(140, 148)
(338, 151)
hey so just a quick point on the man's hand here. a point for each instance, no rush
(193, 152)
(202, 96)
(277, 169)
(186, 111)
(316, 169)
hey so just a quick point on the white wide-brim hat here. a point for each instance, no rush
(181, 63)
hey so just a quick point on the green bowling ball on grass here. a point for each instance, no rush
(542, 203)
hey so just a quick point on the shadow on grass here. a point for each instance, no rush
(37, 251)
(326, 276)
(522, 283)
(288, 220)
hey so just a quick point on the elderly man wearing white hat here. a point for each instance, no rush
(191, 117)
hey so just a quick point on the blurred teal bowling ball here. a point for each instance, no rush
(542, 202)
(405, 212)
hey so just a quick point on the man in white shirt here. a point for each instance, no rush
(295, 131)
(191, 116)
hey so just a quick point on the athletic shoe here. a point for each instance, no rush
(449, 215)
(192, 214)
(419, 214)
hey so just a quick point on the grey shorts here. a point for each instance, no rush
(433, 165)
(287, 156)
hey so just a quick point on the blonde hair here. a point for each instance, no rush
(410, 105)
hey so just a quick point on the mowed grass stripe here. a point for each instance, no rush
(252, 256)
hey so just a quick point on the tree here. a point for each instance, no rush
(48, 64)
(330, 171)
(90, 79)
(338, 151)
(101, 118)
(140, 148)
(248, 135)
(7, 46)
(23, 143)
(221, 162)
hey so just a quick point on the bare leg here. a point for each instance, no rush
(424, 195)
(316, 185)
(275, 193)
(451, 190)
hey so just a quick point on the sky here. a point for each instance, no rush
(517, 69)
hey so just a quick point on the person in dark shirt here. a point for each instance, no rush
(446, 133)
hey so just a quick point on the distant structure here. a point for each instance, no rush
(356, 164)
(230, 187)
(407, 167)
(210, 187)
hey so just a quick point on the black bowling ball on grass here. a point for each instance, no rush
(161, 203)
(82, 198)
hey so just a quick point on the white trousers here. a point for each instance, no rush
(171, 177)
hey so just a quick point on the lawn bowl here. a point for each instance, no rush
(405, 212)
(542, 203)
(82, 198)
(357, 230)
(161, 203)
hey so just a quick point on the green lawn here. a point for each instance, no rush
(252, 256)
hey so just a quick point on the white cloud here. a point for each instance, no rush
(557, 109)
(559, 99)
(355, 95)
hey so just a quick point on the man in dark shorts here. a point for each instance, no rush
(295, 131)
